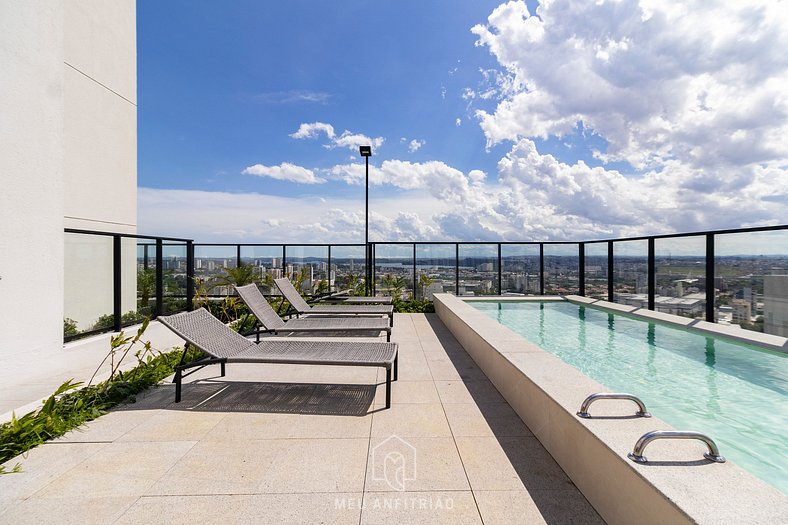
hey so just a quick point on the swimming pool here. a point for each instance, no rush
(736, 393)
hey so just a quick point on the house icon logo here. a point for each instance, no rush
(394, 461)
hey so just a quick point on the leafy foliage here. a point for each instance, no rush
(69, 327)
(414, 306)
(68, 408)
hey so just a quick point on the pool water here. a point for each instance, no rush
(735, 393)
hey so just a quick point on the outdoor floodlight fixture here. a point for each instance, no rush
(365, 151)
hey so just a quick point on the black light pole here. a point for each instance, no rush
(366, 152)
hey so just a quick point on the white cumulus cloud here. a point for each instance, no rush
(415, 145)
(285, 171)
(346, 139)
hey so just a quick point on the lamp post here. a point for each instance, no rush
(366, 152)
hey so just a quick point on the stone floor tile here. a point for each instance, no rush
(451, 508)
(414, 464)
(510, 463)
(282, 509)
(466, 391)
(117, 469)
(77, 510)
(536, 507)
(411, 420)
(497, 419)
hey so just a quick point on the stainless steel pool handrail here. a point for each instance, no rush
(637, 453)
(642, 412)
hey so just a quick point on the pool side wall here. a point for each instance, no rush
(545, 392)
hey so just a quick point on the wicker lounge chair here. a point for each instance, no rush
(223, 345)
(301, 306)
(272, 323)
(343, 298)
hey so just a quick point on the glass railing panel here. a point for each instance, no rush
(751, 280)
(394, 270)
(142, 283)
(174, 277)
(211, 265)
(307, 268)
(680, 276)
(630, 273)
(520, 268)
(348, 269)
(435, 269)
(561, 269)
(596, 270)
(478, 267)
(267, 262)
(88, 283)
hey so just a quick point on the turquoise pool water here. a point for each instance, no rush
(735, 393)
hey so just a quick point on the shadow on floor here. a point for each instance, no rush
(572, 506)
(216, 395)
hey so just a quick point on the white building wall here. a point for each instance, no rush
(31, 177)
(100, 159)
(68, 158)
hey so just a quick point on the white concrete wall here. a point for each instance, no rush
(31, 176)
(68, 158)
(100, 160)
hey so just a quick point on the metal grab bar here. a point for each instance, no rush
(637, 453)
(642, 412)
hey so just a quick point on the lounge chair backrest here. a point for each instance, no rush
(292, 295)
(250, 294)
(207, 333)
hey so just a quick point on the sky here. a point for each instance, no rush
(489, 121)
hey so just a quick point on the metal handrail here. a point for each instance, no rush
(642, 412)
(637, 453)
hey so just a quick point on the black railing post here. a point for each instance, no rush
(610, 273)
(500, 271)
(284, 261)
(189, 275)
(374, 274)
(457, 268)
(541, 268)
(710, 297)
(581, 269)
(651, 271)
(116, 282)
(414, 271)
(159, 279)
(328, 275)
(238, 256)
(145, 256)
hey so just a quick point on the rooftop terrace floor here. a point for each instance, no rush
(304, 444)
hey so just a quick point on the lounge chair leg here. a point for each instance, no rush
(178, 377)
(388, 387)
(223, 368)
(391, 319)
(396, 363)
(388, 337)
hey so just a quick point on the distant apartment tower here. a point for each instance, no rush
(68, 129)
(775, 305)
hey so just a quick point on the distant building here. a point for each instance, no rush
(775, 305)
(742, 311)
(486, 267)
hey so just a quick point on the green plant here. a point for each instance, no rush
(240, 276)
(69, 327)
(108, 320)
(395, 285)
(68, 408)
(146, 285)
(421, 306)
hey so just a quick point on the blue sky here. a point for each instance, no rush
(491, 121)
